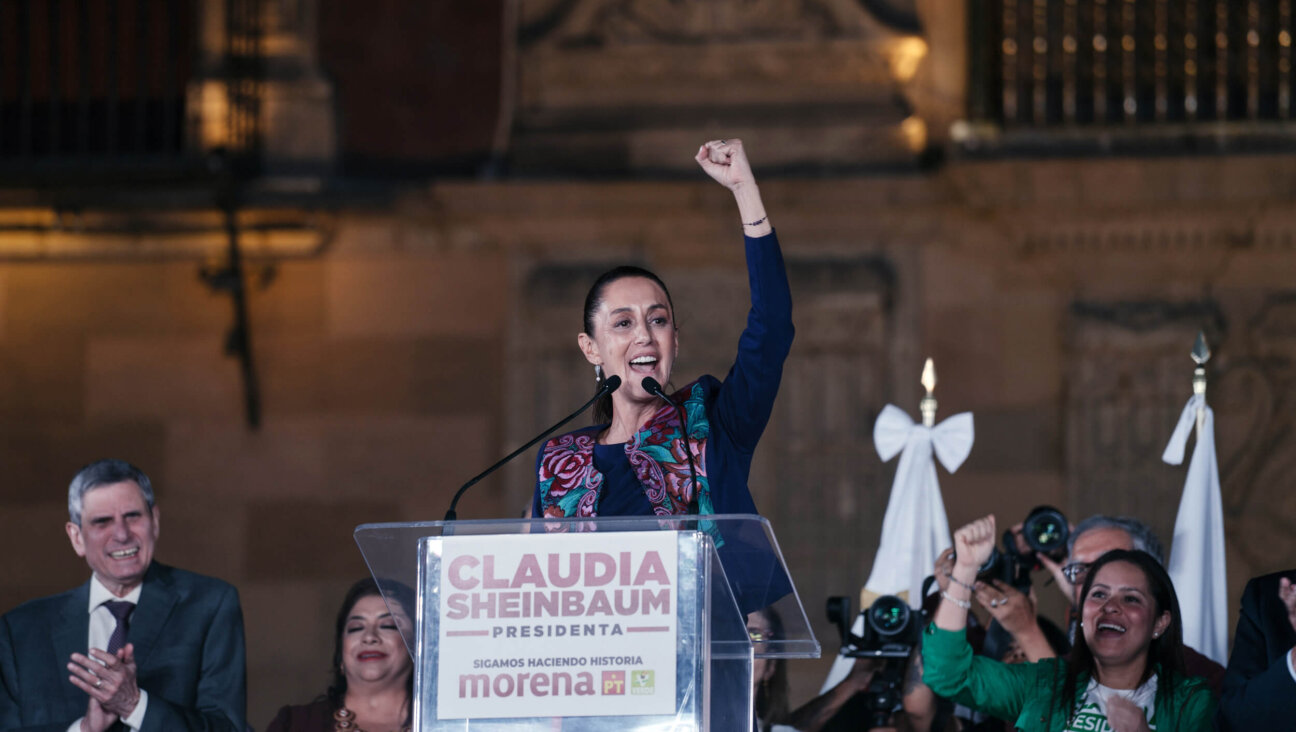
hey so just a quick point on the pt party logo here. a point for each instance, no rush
(566, 625)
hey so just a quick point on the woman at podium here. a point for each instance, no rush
(647, 456)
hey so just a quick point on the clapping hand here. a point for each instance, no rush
(108, 678)
(97, 719)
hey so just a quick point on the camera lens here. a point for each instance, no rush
(1046, 530)
(888, 615)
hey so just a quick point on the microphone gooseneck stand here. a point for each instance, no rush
(651, 386)
(609, 385)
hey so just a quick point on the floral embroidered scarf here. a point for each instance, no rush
(570, 485)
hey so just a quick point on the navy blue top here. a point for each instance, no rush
(738, 408)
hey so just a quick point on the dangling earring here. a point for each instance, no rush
(598, 373)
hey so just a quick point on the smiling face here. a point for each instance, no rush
(372, 649)
(116, 535)
(633, 336)
(1120, 617)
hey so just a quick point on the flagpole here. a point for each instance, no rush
(1200, 354)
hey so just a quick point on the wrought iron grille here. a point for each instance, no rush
(1054, 63)
(110, 85)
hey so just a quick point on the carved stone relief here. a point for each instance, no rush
(817, 470)
(1129, 377)
(612, 85)
(1255, 408)
(614, 22)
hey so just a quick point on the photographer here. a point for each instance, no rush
(884, 688)
(1003, 585)
(1013, 609)
(880, 647)
(816, 714)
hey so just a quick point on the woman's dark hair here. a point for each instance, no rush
(366, 587)
(593, 299)
(771, 700)
(1164, 654)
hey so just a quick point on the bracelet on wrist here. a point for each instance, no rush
(965, 604)
(960, 582)
(757, 222)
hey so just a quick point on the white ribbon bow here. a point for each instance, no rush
(915, 530)
(1197, 556)
(952, 438)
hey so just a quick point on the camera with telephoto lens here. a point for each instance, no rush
(1045, 531)
(891, 628)
(890, 631)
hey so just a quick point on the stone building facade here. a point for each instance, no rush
(401, 342)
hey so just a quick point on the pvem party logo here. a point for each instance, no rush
(642, 682)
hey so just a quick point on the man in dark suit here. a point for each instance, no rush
(1260, 686)
(141, 646)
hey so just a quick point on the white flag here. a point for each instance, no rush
(1197, 562)
(914, 530)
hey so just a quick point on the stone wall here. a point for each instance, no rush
(1059, 300)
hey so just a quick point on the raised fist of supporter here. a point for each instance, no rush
(974, 543)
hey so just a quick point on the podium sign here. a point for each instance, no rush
(608, 624)
(570, 630)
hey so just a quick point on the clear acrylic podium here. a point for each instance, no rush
(556, 624)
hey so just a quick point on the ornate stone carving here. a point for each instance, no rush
(817, 470)
(618, 22)
(1255, 408)
(1128, 379)
(613, 85)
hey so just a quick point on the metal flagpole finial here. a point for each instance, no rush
(1200, 355)
(928, 404)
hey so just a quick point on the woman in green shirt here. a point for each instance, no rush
(1124, 674)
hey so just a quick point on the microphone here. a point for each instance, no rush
(651, 386)
(610, 385)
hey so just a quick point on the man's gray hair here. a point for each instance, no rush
(105, 472)
(1142, 536)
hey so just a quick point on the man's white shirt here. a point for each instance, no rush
(102, 625)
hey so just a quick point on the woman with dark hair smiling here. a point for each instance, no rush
(373, 679)
(1126, 669)
(643, 458)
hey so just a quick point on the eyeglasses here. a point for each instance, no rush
(1075, 572)
(760, 635)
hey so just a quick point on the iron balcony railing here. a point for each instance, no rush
(117, 87)
(1116, 63)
